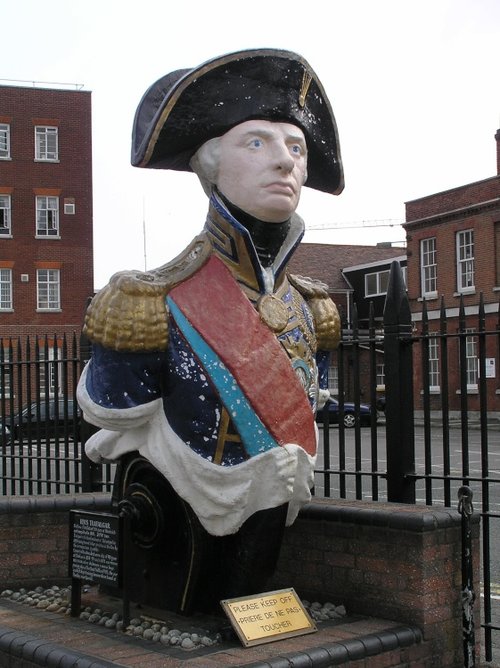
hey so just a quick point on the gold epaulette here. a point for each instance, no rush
(326, 316)
(130, 313)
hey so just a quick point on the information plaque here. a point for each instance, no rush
(268, 617)
(95, 547)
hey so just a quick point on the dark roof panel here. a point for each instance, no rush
(325, 262)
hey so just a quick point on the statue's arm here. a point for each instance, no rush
(327, 326)
(120, 390)
(127, 323)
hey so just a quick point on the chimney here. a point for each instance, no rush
(497, 137)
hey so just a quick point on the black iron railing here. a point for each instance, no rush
(433, 438)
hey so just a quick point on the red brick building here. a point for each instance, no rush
(46, 249)
(453, 244)
(356, 276)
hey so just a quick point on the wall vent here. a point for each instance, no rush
(25, 278)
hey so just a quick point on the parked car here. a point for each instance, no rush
(365, 413)
(4, 434)
(62, 416)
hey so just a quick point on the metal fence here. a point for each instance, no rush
(41, 430)
(426, 446)
(420, 450)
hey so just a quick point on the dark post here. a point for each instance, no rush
(399, 391)
(468, 596)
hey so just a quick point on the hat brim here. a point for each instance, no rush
(186, 108)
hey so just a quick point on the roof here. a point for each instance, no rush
(325, 262)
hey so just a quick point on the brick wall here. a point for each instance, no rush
(483, 225)
(453, 199)
(397, 562)
(70, 177)
(34, 537)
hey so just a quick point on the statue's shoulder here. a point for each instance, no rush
(309, 287)
(326, 316)
(130, 312)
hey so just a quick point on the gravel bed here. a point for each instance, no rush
(58, 599)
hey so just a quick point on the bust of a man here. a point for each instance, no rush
(206, 369)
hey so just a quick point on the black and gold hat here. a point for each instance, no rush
(185, 108)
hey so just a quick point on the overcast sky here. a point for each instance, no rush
(414, 86)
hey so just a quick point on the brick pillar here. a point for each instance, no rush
(399, 562)
(497, 137)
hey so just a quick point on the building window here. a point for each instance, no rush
(46, 143)
(404, 272)
(47, 216)
(333, 379)
(48, 289)
(5, 372)
(380, 371)
(47, 371)
(433, 362)
(5, 215)
(471, 360)
(4, 141)
(376, 283)
(497, 253)
(5, 289)
(465, 260)
(428, 267)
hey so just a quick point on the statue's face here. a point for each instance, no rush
(262, 167)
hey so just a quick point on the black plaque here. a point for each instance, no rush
(95, 547)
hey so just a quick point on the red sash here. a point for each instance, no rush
(217, 308)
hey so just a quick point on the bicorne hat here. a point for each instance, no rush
(185, 108)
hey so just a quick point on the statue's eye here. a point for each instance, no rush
(256, 142)
(297, 149)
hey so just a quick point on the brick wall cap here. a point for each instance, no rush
(47, 503)
(417, 518)
(342, 652)
(451, 190)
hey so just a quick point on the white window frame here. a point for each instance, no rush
(333, 379)
(428, 267)
(465, 261)
(46, 143)
(380, 375)
(404, 272)
(471, 359)
(47, 364)
(47, 216)
(6, 373)
(5, 215)
(4, 141)
(434, 372)
(5, 289)
(381, 280)
(48, 289)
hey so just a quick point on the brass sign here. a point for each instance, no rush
(268, 617)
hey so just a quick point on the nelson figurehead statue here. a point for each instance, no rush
(204, 372)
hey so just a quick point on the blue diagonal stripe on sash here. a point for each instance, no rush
(256, 438)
